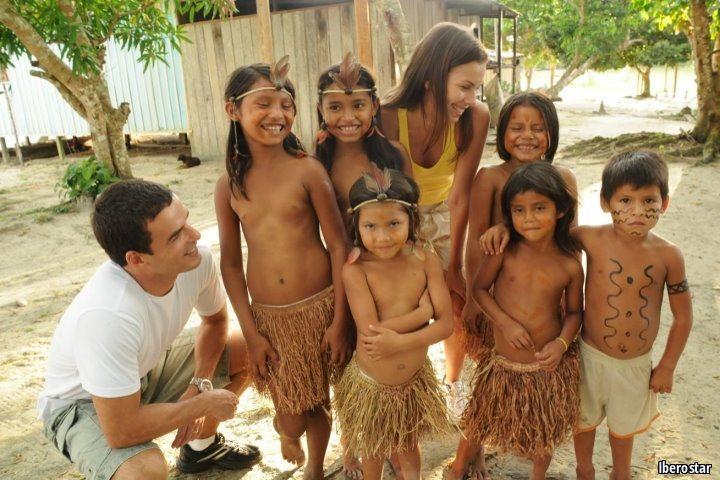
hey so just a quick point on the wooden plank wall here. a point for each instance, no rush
(314, 38)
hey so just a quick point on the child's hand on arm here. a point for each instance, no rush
(680, 300)
(260, 354)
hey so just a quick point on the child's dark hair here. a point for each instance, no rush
(378, 149)
(241, 81)
(638, 168)
(121, 214)
(544, 179)
(401, 187)
(444, 47)
(546, 108)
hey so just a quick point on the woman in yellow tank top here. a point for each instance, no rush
(434, 114)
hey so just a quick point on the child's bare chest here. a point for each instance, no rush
(624, 296)
(272, 200)
(534, 274)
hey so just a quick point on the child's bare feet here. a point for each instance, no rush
(310, 474)
(478, 468)
(290, 447)
(351, 466)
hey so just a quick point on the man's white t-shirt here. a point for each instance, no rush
(114, 332)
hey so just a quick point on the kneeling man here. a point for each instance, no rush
(121, 370)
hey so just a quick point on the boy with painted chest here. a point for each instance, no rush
(628, 267)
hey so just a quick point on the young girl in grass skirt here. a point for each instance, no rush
(525, 401)
(388, 397)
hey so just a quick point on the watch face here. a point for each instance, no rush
(205, 385)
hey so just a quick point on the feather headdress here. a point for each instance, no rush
(378, 182)
(348, 77)
(278, 76)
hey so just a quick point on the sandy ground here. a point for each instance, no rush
(48, 258)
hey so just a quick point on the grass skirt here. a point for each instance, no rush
(477, 339)
(377, 420)
(519, 408)
(300, 381)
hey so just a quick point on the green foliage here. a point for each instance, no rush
(674, 15)
(80, 34)
(85, 178)
(652, 47)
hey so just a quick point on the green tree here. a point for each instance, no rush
(699, 20)
(576, 32)
(67, 40)
(655, 47)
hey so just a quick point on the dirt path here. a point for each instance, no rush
(47, 258)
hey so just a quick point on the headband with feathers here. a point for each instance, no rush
(278, 76)
(347, 77)
(378, 182)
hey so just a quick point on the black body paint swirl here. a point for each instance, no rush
(613, 295)
(645, 302)
(680, 287)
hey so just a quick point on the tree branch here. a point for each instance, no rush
(67, 95)
(68, 10)
(37, 47)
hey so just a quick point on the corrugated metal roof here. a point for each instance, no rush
(483, 8)
(156, 98)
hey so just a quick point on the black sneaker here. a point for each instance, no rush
(221, 453)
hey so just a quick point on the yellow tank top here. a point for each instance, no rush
(434, 182)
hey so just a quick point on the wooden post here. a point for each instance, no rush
(18, 150)
(498, 47)
(5, 151)
(60, 144)
(265, 24)
(675, 81)
(363, 34)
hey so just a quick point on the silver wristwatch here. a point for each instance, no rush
(202, 384)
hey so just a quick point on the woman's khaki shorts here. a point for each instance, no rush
(75, 429)
(434, 231)
(617, 389)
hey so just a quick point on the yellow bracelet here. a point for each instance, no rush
(565, 344)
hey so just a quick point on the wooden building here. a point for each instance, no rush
(315, 36)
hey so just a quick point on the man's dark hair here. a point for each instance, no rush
(636, 168)
(121, 215)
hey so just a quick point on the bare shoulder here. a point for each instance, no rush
(572, 266)
(588, 234)
(222, 186)
(566, 173)
(352, 272)
(668, 251)
(480, 114)
(432, 262)
(312, 171)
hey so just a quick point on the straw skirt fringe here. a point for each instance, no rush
(377, 420)
(300, 381)
(521, 409)
(477, 339)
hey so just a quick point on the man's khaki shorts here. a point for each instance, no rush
(617, 389)
(75, 429)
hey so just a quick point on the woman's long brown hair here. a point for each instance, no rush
(444, 47)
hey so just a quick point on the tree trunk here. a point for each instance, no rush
(573, 71)
(552, 74)
(88, 95)
(528, 77)
(399, 32)
(645, 77)
(707, 125)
